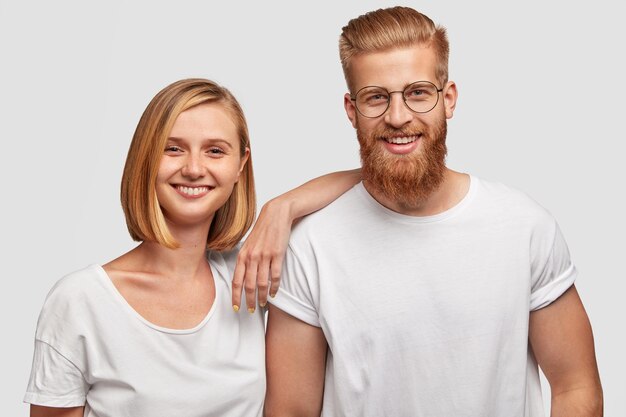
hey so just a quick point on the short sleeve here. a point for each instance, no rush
(54, 380)
(552, 270)
(295, 295)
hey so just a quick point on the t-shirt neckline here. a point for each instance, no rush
(444, 215)
(104, 277)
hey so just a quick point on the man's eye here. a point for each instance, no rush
(418, 92)
(376, 98)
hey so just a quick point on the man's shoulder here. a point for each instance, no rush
(333, 215)
(496, 197)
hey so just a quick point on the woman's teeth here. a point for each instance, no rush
(192, 190)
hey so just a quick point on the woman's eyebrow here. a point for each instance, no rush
(205, 141)
(219, 140)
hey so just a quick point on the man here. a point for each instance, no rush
(423, 291)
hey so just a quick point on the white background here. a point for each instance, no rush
(541, 108)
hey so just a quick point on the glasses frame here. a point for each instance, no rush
(389, 93)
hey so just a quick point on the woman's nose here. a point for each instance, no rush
(193, 167)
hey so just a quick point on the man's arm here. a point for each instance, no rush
(296, 366)
(40, 411)
(562, 341)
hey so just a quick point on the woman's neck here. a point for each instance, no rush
(182, 262)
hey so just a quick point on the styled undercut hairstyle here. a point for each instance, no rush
(144, 217)
(396, 27)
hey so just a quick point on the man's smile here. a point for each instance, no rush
(401, 145)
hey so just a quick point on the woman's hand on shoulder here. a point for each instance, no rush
(260, 259)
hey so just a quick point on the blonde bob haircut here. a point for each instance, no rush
(144, 217)
(396, 27)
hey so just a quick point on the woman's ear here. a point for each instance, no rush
(243, 161)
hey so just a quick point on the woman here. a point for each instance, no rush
(152, 333)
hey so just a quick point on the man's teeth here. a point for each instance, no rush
(192, 190)
(402, 140)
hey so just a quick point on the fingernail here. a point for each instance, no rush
(263, 305)
(251, 310)
(235, 307)
(273, 295)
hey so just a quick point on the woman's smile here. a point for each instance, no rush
(192, 191)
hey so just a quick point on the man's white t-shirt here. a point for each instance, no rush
(92, 348)
(427, 316)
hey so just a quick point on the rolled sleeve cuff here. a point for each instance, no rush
(294, 307)
(544, 296)
(48, 401)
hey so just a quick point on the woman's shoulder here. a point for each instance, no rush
(223, 262)
(75, 284)
(69, 300)
(67, 318)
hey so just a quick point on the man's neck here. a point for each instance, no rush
(453, 188)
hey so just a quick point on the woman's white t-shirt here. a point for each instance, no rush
(93, 349)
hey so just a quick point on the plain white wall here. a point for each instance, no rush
(540, 108)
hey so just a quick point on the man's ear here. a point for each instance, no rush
(450, 95)
(348, 104)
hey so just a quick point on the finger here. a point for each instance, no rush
(275, 271)
(262, 281)
(249, 284)
(237, 285)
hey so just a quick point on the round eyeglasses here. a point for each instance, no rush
(419, 97)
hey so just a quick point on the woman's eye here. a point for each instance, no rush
(172, 149)
(216, 151)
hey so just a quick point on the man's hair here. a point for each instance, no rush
(144, 217)
(395, 27)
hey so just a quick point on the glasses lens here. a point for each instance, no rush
(372, 101)
(421, 97)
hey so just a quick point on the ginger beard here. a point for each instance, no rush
(406, 179)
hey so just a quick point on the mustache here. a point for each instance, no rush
(387, 132)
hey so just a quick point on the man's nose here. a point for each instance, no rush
(398, 113)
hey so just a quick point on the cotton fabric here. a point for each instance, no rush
(427, 316)
(93, 349)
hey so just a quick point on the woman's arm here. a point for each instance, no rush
(39, 411)
(261, 257)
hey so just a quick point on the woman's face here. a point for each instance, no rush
(200, 165)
